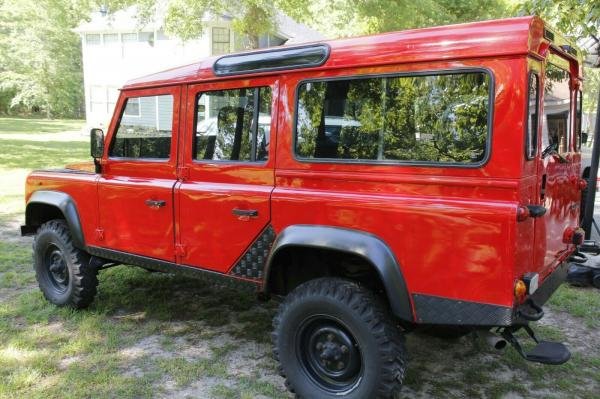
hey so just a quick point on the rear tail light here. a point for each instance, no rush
(520, 290)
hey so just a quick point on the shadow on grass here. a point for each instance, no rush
(24, 125)
(36, 154)
(134, 305)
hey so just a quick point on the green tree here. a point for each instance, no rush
(578, 18)
(351, 17)
(40, 57)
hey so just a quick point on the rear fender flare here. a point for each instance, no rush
(360, 243)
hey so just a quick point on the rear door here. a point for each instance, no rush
(228, 159)
(559, 167)
(138, 177)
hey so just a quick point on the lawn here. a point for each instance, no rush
(159, 335)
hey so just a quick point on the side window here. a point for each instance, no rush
(441, 118)
(145, 128)
(233, 125)
(578, 111)
(557, 109)
(532, 115)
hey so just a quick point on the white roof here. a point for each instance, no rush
(127, 20)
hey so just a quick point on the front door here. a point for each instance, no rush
(559, 167)
(228, 158)
(139, 174)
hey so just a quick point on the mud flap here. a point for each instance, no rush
(545, 352)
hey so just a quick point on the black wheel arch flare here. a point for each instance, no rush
(64, 203)
(360, 243)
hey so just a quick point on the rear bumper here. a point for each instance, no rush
(447, 311)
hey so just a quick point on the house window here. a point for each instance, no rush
(113, 95)
(111, 38)
(129, 37)
(220, 41)
(433, 118)
(93, 39)
(161, 35)
(146, 37)
(133, 107)
(97, 99)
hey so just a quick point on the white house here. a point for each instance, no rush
(117, 47)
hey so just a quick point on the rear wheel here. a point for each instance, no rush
(63, 271)
(333, 337)
(596, 280)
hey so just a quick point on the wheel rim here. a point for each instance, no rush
(57, 269)
(329, 354)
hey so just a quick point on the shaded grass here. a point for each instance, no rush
(31, 125)
(37, 154)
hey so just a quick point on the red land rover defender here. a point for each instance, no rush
(376, 184)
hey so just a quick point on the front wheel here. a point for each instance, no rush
(334, 338)
(63, 271)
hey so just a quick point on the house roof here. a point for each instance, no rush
(496, 38)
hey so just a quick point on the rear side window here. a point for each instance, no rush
(437, 118)
(557, 109)
(233, 125)
(578, 110)
(145, 128)
(532, 115)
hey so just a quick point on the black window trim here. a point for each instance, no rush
(256, 99)
(537, 105)
(116, 131)
(433, 72)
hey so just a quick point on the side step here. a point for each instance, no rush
(545, 352)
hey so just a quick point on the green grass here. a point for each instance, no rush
(36, 126)
(137, 339)
(580, 302)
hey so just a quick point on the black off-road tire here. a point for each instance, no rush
(596, 279)
(311, 328)
(63, 271)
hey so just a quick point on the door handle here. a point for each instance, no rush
(155, 203)
(245, 213)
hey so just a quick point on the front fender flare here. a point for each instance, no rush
(65, 203)
(360, 243)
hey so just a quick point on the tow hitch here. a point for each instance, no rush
(545, 352)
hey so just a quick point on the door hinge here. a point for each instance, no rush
(183, 172)
(100, 234)
(179, 250)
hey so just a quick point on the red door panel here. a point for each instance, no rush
(132, 225)
(135, 191)
(222, 205)
(215, 237)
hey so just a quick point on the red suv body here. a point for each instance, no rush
(439, 168)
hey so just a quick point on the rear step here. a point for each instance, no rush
(545, 352)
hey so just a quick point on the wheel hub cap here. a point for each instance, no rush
(331, 355)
